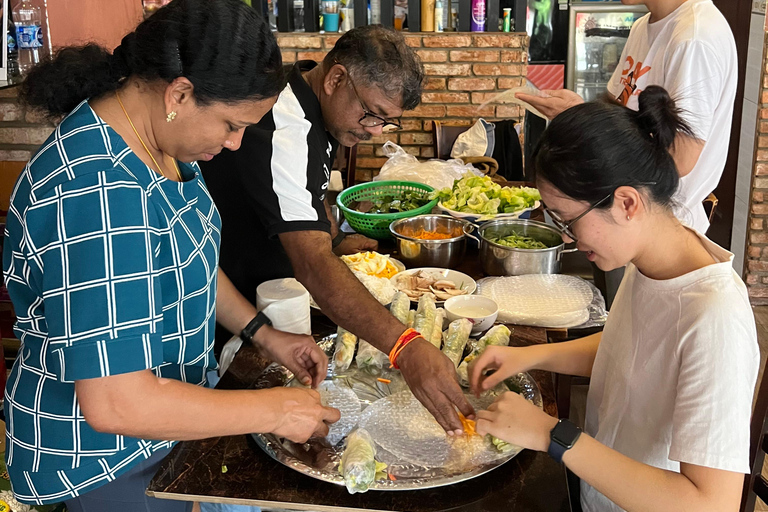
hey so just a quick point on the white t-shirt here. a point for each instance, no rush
(675, 372)
(692, 54)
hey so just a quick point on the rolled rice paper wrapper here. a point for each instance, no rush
(344, 349)
(358, 463)
(368, 355)
(424, 322)
(455, 339)
(400, 307)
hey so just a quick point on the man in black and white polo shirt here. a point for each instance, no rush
(271, 194)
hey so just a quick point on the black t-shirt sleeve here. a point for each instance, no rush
(284, 172)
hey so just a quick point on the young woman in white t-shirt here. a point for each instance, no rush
(673, 372)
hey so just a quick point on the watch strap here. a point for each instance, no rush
(254, 325)
(339, 237)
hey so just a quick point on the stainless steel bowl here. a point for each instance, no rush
(415, 252)
(499, 260)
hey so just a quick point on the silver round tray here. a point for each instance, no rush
(320, 460)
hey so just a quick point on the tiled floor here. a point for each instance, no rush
(761, 316)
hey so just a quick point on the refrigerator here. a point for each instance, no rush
(597, 34)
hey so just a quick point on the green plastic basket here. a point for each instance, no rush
(376, 225)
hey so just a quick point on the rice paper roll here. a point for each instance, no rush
(455, 339)
(344, 350)
(497, 335)
(368, 355)
(437, 330)
(358, 463)
(424, 322)
(411, 318)
(400, 307)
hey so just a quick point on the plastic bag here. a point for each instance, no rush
(438, 174)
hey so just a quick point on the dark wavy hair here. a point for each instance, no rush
(223, 47)
(378, 56)
(590, 150)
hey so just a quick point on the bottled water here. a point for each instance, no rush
(29, 35)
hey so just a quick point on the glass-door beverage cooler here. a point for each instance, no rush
(597, 34)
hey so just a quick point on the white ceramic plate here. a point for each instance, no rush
(462, 280)
(472, 217)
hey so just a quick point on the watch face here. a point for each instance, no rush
(565, 433)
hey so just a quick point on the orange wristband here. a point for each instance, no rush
(408, 336)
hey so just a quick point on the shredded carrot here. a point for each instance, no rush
(385, 381)
(391, 476)
(423, 234)
(469, 425)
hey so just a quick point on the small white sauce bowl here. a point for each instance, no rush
(455, 305)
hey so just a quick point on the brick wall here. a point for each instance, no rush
(757, 248)
(21, 132)
(463, 70)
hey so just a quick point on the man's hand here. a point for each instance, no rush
(297, 352)
(432, 378)
(352, 244)
(553, 102)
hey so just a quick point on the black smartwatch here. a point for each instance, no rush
(254, 325)
(336, 241)
(562, 438)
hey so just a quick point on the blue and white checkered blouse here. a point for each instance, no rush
(111, 269)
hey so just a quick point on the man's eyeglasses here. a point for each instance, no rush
(371, 120)
(566, 226)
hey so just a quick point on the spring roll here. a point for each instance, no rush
(424, 322)
(437, 330)
(358, 463)
(497, 335)
(456, 338)
(344, 350)
(411, 318)
(368, 355)
(400, 307)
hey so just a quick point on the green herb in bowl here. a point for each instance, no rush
(517, 241)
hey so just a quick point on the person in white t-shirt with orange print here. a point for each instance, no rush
(673, 372)
(687, 47)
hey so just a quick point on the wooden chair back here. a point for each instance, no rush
(443, 138)
(755, 485)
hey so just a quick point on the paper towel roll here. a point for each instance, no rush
(286, 304)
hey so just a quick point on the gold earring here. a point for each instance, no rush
(628, 217)
(171, 116)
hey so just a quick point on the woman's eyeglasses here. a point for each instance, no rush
(566, 226)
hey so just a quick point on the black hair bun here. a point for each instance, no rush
(659, 117)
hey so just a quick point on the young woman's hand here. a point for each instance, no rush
(504, 361)
(297, 352)
(516, 420)
(298, 414)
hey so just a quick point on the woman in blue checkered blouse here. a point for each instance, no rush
(111, 260)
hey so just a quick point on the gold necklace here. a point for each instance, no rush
(178, 172)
